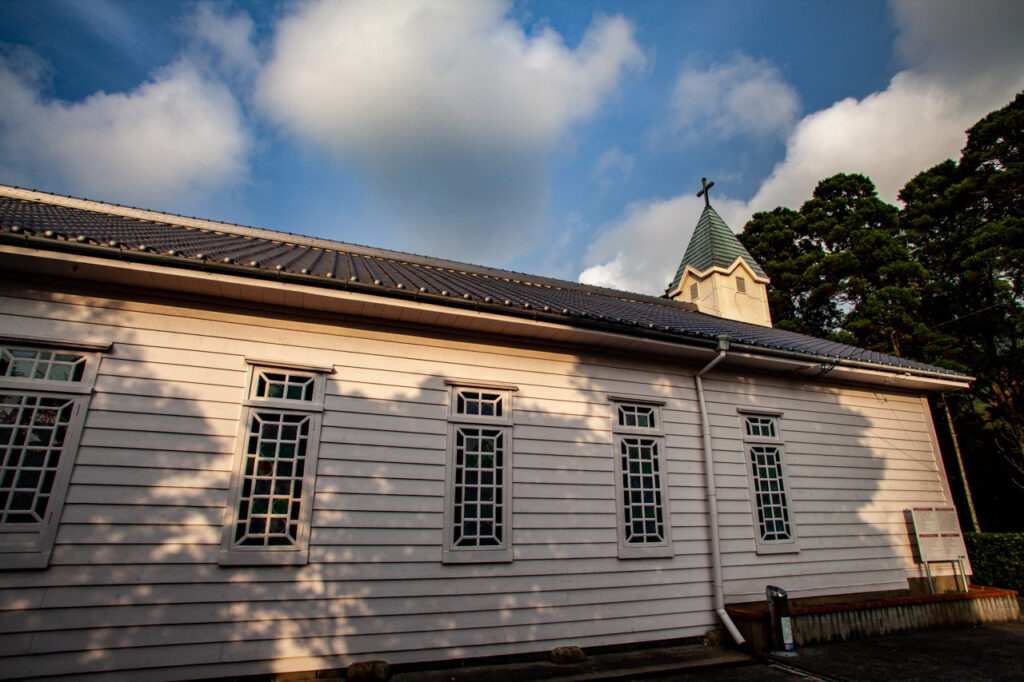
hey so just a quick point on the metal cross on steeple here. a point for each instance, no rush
(704, 191)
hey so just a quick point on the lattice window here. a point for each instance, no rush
(40, 364)
(741, 285)
(479, 403)
(479, 487)
(44, 394)
(694, 291)
(284, 386)
(643, 521)
(761, 427)
(770, 491)
(273, 483)
(270, 502)
(477, 508)
(640, 416)
(765, 455)
(640, 490)
(33, 431)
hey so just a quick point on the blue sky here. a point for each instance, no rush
(563, 138)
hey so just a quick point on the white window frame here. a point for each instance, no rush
(621, 433)
(307, 405)
(30, 545)
(453, 553)
(776, 441)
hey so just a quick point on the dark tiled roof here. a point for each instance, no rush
(713, 244)
(261, 253)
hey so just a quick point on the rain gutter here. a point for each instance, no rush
(851, 363)
(709, 477)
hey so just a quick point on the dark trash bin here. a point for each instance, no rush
(782, 626)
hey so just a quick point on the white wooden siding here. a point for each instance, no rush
(855, 458)
(134, 589)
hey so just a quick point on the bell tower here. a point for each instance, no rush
(718, 274)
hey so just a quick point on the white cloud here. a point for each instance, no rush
(174, 133)
(180, 131)
(889, 136)
(962, 41)
(228, 37)
(963, 61)
(739, 97)
(449, 107)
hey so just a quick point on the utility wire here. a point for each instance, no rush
(962, 317)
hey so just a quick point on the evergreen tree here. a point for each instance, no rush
(797, 302)
(966, 224)
(841, 268)
(941, 281)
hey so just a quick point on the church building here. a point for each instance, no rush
(230, 451)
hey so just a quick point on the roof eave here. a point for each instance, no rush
(660, 340)
(740, 261)
(808, 366)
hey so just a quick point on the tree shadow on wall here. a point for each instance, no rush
(135, 586)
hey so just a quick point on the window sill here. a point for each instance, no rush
(652, 552)
(788, 547)
(15, 560)
(264, 558)
(477, 556)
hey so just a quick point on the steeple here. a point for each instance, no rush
(717, 272)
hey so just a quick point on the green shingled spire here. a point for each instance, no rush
(713, 243)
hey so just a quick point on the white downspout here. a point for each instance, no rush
(709, 475)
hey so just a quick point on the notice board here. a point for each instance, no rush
(938, 534)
